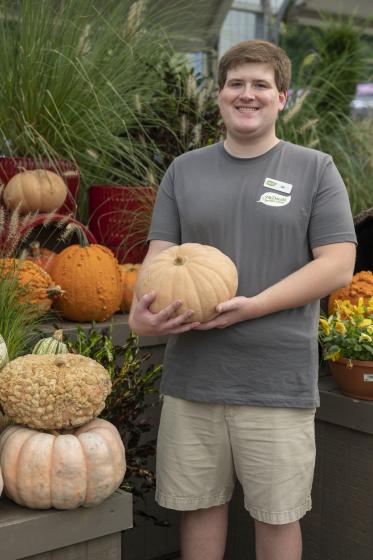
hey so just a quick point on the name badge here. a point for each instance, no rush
(278, 185)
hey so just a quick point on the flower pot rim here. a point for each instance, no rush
(353, 360)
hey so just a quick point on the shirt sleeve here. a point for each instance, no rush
(165, 224)
(331, 218)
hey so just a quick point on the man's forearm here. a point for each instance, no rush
(315, 280)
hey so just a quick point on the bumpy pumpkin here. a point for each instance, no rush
(40, 255)
(53, 392)
(90, 278)
(36, 190)
(64, 471)
(361, 286)
(51, 344)
(200, 276)
(40, 289)
(129, 273)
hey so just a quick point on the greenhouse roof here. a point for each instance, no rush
(309, 12)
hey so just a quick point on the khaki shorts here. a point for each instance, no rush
(203, 447)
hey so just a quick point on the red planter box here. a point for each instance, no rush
(119, 218)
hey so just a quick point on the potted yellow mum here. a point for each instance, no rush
(346, 338)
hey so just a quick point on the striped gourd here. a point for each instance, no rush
(51, 345)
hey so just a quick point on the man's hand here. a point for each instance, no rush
(230, 312)
(146, 323)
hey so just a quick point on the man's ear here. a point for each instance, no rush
(283, 98)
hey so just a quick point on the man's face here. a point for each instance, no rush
(249, 102)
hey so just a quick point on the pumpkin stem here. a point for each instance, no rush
(54, 291)
(82, 238)
(35, 249)
(58, 335)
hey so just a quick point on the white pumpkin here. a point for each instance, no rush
(62, 470)
(4, 358)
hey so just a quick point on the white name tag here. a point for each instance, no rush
(278, 185)
(368, 377)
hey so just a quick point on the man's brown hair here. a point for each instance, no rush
(256, 50)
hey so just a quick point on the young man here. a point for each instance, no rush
(240, 391)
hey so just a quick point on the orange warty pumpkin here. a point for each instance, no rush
(129, 273)
(36, 190)
(361, 286)
(62, 470)
(200, 276)
(40, 289)
(89, 275)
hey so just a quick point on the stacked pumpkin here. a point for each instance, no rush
(58, 454)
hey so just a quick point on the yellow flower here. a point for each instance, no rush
(334, 357)
(325, 326)
(340, 328)
(345, 307)
(370, 305)
(365, 323)
(365, 338)
(370, 329)
(361, 305)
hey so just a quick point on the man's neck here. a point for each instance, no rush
(246, 149)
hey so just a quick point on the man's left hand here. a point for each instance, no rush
(230, 312)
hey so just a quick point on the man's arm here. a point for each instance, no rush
(331, 268)
(143, 321)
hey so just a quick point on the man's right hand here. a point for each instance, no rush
(146, 323)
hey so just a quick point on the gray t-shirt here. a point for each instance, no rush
(266, 213)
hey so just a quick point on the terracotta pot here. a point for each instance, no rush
(355, 377)
(10, 166)
(119, 217)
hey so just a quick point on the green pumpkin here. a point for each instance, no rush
(4, 358)
(51, 345)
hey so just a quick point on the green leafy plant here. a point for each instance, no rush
(318, 112)
(348, 333)
(134, 380)
(183, 115)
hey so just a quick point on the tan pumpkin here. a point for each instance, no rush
(39, 288)
(361, 286)
(53, 391)
(64, 471)
(129, 273)
(36, 190)
(200, 276)
(89, 275)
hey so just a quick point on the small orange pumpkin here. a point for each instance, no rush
(361, 286)
(36, 190)
(40, 289)
(41, 255)
(89, 275)
(129, 273)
